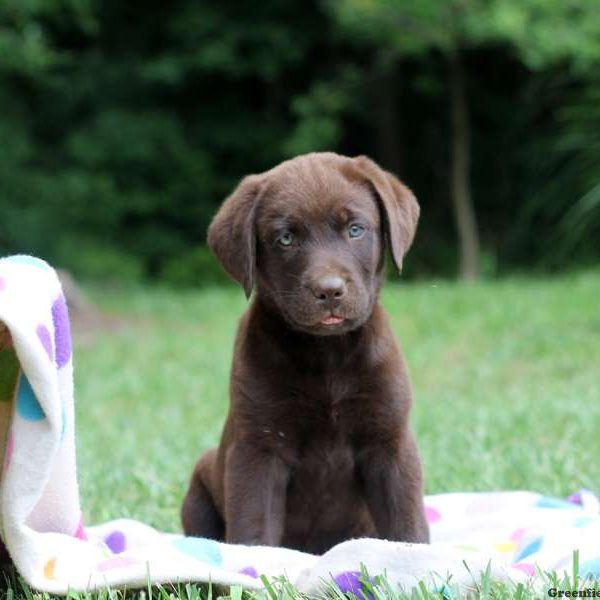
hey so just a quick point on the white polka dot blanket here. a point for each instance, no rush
(42, 527)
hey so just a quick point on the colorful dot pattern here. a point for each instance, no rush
(350, 582)
(590, 569)
(31, 261)
(49, 568)
(525, 547)
(116, 542)
(80, 533)
(531, 548)
(28, 406)
(118, 562)
(545, 502)
(202, 549)
(526, 568)
(249, 571)
(62, 331)
(583, 521)
(432, 515)
(521, 548)
(46, 341)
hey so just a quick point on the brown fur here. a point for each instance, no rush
(316, 448)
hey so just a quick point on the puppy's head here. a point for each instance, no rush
(311, 233)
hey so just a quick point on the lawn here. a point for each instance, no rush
(505, 377)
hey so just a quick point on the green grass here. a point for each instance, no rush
(505, 377)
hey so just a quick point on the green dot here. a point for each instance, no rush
(9, 373)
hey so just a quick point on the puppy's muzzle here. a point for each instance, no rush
(329, 291)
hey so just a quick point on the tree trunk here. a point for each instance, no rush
(460, 187)
(386, 118)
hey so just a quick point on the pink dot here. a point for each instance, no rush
(517, 534)
(432, 515)
(80, 533)
(44, 337)
(526, 568)
(10, 448)
(2, 284)
(118, 562)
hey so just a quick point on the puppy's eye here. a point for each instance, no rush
(286, 239)
(355, 230)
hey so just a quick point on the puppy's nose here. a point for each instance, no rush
(329, 289)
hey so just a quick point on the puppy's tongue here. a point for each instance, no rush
(332, 320)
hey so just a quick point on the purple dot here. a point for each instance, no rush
(44, 337)
(250, 571)
(350, 582)
(575, 498)
(116, 542)
(62, 331)
(2, 284)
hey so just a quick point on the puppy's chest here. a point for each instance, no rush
(318, 417)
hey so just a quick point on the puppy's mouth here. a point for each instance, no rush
(332, 320)
(329, 324)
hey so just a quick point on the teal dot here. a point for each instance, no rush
(547, 502)
(591, 569)
(24, 259)
(583, 521)
(207, 551)
(27, 405)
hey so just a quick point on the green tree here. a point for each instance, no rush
(564, 36)
(415, 28)
(540, 32)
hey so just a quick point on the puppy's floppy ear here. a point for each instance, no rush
(232, 233)
(398, 205)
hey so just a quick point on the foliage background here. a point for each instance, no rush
(123, 125)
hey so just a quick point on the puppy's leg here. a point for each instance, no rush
(393, 486)
(199, 514)
(255, 495)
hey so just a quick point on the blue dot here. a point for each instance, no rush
(24, 259)
(207, 551)
(590, 568)
(27, 405)
(547, 502)
(530, 549)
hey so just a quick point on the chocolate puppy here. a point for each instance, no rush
(317, 447)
